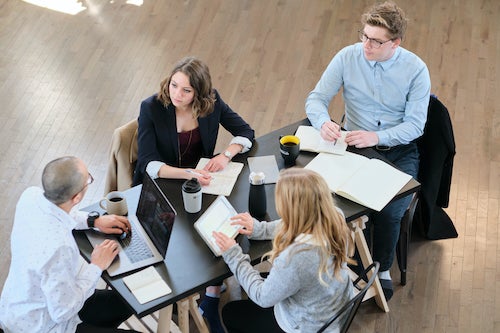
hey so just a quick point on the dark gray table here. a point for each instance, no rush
(189, 265)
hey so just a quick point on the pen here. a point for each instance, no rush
(197, 173)
(340, 126)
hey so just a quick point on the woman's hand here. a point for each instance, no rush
(203, 176)
(222, 241)
(217, 163)
(245, 221)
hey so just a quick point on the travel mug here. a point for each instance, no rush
(257, 203)
(191, 195)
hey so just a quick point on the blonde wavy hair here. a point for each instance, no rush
(199, 78)
(387, 15)
(305, 204)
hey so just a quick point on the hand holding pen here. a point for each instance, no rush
(340, 127)
(330, 131)
(203, 176)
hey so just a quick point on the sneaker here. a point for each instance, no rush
(209, 309)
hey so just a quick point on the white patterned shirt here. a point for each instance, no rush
(48, 280)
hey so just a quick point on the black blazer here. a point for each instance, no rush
(437, 150)
(157, 133)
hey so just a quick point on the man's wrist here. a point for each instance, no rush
(91, 218)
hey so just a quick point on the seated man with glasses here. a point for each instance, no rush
(50, 288)
(386, 91)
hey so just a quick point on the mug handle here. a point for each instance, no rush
(102, 206)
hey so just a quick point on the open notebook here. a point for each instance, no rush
(369, 182)
(223, 181)
(311, 140)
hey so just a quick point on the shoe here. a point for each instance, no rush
(209, 309)
(387, 288)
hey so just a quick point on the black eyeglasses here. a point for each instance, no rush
(90, 180)
(375, 43)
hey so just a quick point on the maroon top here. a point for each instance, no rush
(190, 148)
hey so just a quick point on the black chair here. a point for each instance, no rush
(403, 245)
(349, 310)
(437, 149)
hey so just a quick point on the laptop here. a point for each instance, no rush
(151, 230)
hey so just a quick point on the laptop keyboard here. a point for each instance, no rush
(135, 248)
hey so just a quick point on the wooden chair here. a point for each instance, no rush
(349, 310)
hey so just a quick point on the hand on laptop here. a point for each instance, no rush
(113, 224)
(104, 253)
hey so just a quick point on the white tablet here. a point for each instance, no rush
(217, 218)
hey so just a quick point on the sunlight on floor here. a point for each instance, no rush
(71, 7)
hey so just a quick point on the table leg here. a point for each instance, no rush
(197, 318)
(185, 307)
(164, 319)
(357, 227)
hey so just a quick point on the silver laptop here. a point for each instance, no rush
(151, 230)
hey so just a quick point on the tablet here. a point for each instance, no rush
(217, 218)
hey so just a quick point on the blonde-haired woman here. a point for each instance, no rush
(311, 246)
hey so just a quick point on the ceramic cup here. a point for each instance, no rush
(289, 149)
(114, 203)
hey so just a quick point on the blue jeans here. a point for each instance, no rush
(386, 223)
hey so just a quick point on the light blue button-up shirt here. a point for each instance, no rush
(389, 98)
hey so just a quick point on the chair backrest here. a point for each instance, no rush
(349, 310)
(123, 157)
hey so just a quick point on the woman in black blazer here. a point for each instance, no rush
(180, 124)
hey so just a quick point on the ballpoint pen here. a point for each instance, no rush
(340, 127)
(194, 173)
(198, 174)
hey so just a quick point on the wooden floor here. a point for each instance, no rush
(66, 81)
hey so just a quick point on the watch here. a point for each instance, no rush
(228, 154)
(93, 215)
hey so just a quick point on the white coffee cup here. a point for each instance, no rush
(191, 195)
(114, 203)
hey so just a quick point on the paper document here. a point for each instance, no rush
(369, 182)
(223, 181)
(267, 165)
(147, 285)
(217, 218)
(311, 140)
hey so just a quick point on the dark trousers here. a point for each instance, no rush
(246, 317)
(386, 224)
(103, 312)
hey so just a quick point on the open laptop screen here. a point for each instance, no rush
(156, 214)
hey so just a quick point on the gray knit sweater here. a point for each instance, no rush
(301, 303)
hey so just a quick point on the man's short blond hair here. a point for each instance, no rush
(387, 15)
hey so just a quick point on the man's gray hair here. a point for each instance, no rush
(62, 179)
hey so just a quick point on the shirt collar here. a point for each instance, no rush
(50, 208)
(388, 63)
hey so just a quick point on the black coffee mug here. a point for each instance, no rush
(289, 149)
